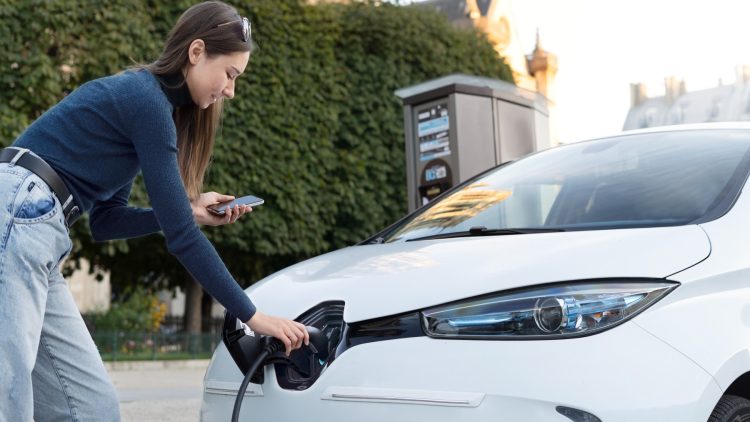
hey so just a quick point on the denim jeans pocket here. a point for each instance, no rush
(37, 206)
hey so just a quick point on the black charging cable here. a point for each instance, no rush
(318, 345)
(272, 347)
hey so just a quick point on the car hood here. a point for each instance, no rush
(387, 279)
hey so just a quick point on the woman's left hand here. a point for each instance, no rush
(203, 216)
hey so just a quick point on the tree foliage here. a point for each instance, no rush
(136, 311)
(315, 128)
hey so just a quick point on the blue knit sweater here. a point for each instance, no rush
(97, 139)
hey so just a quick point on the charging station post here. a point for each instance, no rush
(460, 125)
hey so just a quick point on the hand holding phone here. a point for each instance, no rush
(249, 200)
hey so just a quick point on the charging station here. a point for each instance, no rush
(459, 125)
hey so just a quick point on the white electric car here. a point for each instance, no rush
(606, 280)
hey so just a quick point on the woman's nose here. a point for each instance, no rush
(229, 89)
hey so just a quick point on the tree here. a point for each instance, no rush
(315, 128)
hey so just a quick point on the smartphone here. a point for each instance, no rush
(221, 208)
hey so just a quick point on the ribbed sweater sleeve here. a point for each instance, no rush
(114, 219)
(153, 133)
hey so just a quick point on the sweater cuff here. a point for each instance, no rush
(248, 311)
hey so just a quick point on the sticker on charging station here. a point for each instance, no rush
(435, 173)
(432, 132)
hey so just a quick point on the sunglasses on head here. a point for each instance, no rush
(245, 28)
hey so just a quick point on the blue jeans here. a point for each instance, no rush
(50, 369)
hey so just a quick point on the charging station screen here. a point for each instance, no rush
(432, 132)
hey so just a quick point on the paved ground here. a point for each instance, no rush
(159, 391)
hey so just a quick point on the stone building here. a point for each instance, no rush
(723, 103)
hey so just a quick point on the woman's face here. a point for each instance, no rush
(212, 78)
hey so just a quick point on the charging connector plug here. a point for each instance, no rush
(272, 352)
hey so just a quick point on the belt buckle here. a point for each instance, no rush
(72, 215)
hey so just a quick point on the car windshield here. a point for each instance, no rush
(638, 180)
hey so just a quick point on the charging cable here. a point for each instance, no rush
(318, 345)
(272, 347)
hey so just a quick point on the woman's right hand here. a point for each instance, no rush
(291, 333)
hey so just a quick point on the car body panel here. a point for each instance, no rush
(380, 280)
(718, 338)
(621, 375)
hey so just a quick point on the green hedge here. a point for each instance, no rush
(314, 129)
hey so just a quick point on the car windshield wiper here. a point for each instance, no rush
(484, 231)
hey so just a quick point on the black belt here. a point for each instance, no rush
(22, 157)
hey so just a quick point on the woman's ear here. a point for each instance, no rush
(196, 50)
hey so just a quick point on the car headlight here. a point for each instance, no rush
(551, 311)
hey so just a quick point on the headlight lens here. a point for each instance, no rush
(562, 310)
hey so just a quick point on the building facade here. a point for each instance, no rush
(723, 103)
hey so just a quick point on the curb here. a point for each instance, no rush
(157, 364)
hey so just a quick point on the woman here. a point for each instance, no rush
(82, 156)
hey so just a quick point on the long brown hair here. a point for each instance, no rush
(196, 128)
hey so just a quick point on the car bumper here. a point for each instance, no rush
(624, 374)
